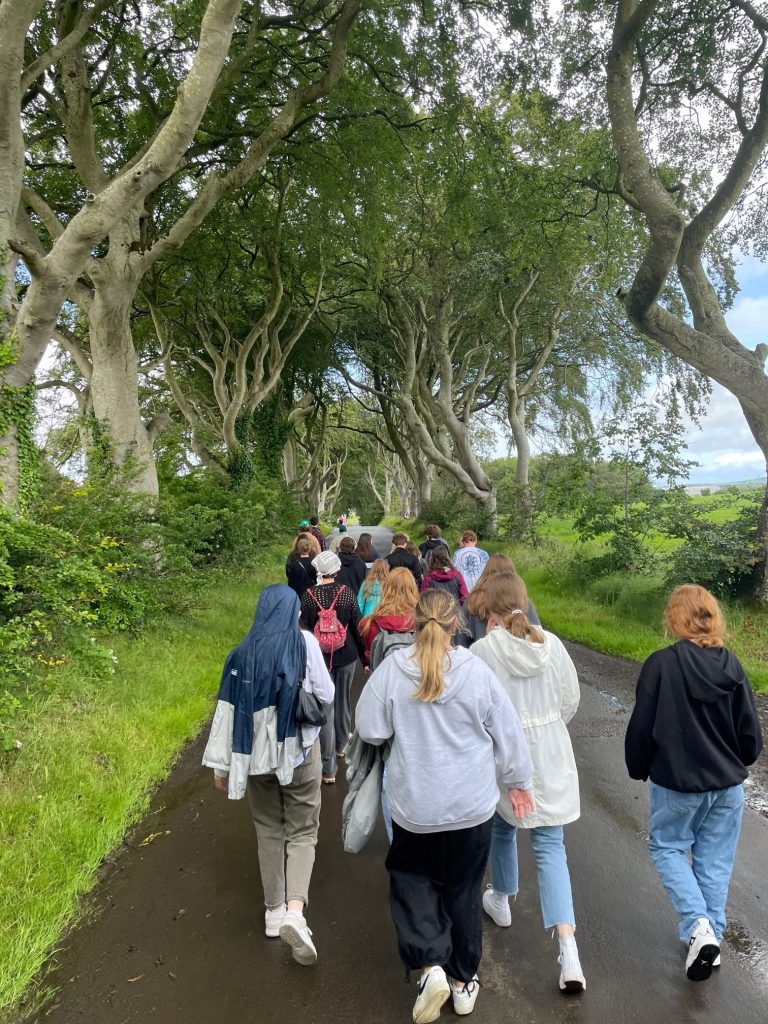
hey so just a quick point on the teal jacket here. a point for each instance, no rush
(369, 605)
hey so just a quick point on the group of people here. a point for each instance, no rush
(470, 699)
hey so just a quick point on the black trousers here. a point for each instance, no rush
(435, 882)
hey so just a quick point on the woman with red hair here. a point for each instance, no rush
(694, 731)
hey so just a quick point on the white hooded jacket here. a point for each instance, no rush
(542, 683)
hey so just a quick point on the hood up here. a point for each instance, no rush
(710, 673)
(519, 657)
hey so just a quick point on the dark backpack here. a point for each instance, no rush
(387, 641)
(329, 632)
(451, 585)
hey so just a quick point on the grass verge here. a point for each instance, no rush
(90, 757)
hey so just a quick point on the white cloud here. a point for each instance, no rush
(749, 319)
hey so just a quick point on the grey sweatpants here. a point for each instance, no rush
(335, 733)
(286, 819)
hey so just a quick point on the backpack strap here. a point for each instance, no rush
(333, 602)
(311, 593)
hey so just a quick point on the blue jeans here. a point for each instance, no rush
(707, 825)
(551, 865)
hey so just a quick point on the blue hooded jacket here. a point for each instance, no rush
(254, 727)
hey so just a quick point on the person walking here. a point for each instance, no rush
(256, 746)
(298, 567)
(448, 723)
(539, 677)
(329, 594)
(395, 612)
(694, 731)
(434, 540)
(476, 612)
(317, 533)
(365, 550)
(352, 572)
(442, 575)
(399, 558)
(470, 560)
(372, 588)
(341, 522)
(411, 548)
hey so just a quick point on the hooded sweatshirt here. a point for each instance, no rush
(352, 571)
(391, 623)
(541, 681)
(694, 728)
(441, 773)
(446, 579)
(429, 546)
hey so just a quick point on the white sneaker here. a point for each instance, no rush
(273, 919)
(432, 992)
(716, 961)
(571, 975)
(465, 996)
(496, 906)
(294, 931)
(703, 950)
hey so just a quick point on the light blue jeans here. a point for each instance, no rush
(707, 826)
(551, 865)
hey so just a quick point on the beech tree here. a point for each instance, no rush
(687, 100)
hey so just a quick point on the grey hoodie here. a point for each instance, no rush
(441, 772)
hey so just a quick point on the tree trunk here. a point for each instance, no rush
(9, 468)
(115, 386)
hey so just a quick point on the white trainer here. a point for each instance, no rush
(571, 975)
(273, 919)
(432, 991)
(465, 996)
(496, 906)
(703, 950)
(294, 931)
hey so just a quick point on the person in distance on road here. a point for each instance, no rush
(694, 730)
(256, 746)
(449, 724)
(399, 558)
(539, 677)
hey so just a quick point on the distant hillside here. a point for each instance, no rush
(746, 485)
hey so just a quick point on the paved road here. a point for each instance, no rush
(381, 536)
(178, 932)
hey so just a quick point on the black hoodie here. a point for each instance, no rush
(352, 572)
(694, 727)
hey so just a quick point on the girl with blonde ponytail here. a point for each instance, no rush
(448, 723)
(538, 675)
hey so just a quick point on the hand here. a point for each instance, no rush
(221, 782)
(522, 802)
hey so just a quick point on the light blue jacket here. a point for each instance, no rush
(369, 605)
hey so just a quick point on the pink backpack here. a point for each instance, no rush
(329, 632)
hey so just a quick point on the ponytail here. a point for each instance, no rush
(436, 615)
(507, 601)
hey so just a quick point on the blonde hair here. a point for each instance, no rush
(475, 603)
(398, 597)
(692, 613)
(436, 615)
(314, 543)
(376, 574)
(507, 601)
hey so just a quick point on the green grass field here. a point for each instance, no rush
(90, 759)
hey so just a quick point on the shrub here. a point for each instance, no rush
(723, 557)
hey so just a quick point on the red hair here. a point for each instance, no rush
(692, 613)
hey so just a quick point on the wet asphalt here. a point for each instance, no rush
(174, 930)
